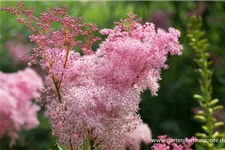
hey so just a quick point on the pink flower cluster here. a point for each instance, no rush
(53, 47)
(168, 143)
(100, 97)
(136, 53)
(141, 134)
(17, 111)
(94, 97)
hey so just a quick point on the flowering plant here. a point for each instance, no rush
(17, 111)
(209, 106)
(93, 97)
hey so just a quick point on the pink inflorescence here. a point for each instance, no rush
(136, 53)
(17, 111)
(167, 143)
(102, 92)
(95, 96)
(141, 134)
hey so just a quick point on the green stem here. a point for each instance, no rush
(207, 97)
(200, 46)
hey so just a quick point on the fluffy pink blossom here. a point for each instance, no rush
(101, 94)
(141, 134)
(89, 111)
(94, 97)
(136, 54)
(17, 110)
(54, 63)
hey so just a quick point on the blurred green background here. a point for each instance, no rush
(171, 112)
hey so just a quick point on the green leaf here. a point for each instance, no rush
(205, 128)
(201, 72)
(221, 144)
(210, 145)
(197, 97)
(61, 147)
(215, 134)
(214, 119)
(200, 112)
(210, 111)
(86, 145)
(201, 135)
(217, 108)
(193, 39)
(203, 41)
(213, 102)
(206, 46)
(221, 135)
(218, 124)
(200, 118)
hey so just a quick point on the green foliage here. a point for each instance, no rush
(209, 106)
(86, 146)
(61, 147)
